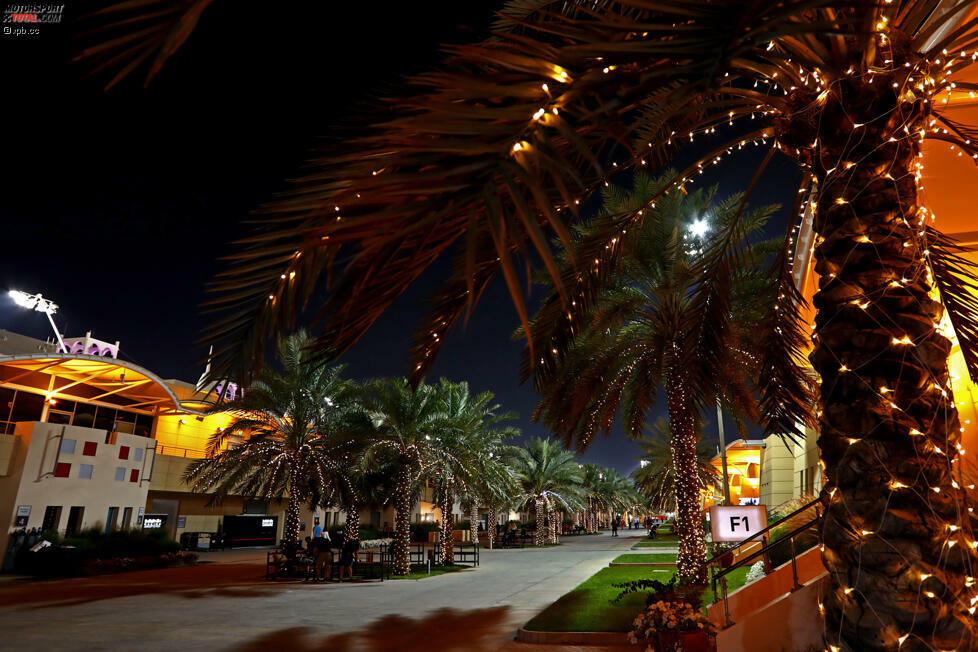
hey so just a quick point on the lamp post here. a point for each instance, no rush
(40, 304)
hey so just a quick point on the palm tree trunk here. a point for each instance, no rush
(290, 533)
(539, 533)
(491, 530)
(402, 521)
(351, 528)
(896, 529)
(474, 522)
(691, 561)
(447, 554)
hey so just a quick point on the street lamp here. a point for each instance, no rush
(699, 227)
(40, 304)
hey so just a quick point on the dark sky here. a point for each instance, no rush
(118, 204)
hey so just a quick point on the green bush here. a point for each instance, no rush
(95, 543)
(366, 532)
(419, 531)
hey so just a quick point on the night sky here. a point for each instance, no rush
(117, 205)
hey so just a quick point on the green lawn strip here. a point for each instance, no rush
(638, 558)
(658, 543)
(420, 571)
(735, 580)
(588, 607)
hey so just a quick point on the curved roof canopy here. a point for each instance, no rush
(95, 379)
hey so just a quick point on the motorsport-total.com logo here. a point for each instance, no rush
(24, 19)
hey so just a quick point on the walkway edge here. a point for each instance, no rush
(572, 638)
(652, 564)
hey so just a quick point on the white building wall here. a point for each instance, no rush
(118, 472)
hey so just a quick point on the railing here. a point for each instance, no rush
(766, 547)
(178, 451)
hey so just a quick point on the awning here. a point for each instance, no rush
(95, 379)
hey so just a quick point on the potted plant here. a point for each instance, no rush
(673, 626)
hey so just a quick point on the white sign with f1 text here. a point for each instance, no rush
(730, 523)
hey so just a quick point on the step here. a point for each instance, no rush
(788, 623)
(751, 597)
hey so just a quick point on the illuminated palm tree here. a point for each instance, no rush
(666, 318)
(284, 441)
(514, 133)
(547, 476)
(654, 478)
(400, 426)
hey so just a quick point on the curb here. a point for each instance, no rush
(572, 638)
(651, 564)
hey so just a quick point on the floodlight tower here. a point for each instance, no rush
(40, 304)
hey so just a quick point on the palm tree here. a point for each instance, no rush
(401, 426)
(655, 479)
(664, 318)
(517, 131)
(290, 448)
(547, 475)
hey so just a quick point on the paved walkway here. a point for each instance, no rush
(225, 606)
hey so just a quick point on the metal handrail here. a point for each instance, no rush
(765, 548)
(814, 503)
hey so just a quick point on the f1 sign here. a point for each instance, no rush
(737, 522)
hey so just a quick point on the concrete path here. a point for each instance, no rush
(470, 610)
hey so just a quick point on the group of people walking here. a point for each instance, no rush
(620, 523)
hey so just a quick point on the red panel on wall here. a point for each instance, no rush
(134, 475)
(123, 452)
(90, 448)
(63, 470)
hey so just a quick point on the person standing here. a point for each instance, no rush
(614, 527)
(348, 555)
(322, 557)
(317, 531)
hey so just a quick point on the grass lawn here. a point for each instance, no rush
(588, 607)
(735, 580)
(420, 571)
(657, 543)
(655, 558)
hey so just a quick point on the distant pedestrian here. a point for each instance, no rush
(317, 531)
(348, 555)
(614, 527)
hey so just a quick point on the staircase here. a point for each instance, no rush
(769, 616)
(778, 612)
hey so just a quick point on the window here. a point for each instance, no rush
(104, 418)
(134, 475)
(123, 452)
(137, 454)
(144, 425)
(52, 517)
(120, 474)
(63, 470)
(84, 415)
(90, 448)
(85, 471)
(27, 407)
(67, 446)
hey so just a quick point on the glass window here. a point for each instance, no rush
(62, 405)
(67, 446)
(144, 425)
(123, 452)
(63, 418)
(137, 454)
(84, 415)
(90, 448)
(125, 417)
(27, 407)
(63, 470)
(104, 418)
(6, 402)
(134, 475)
(85, 471)
(120, 474)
